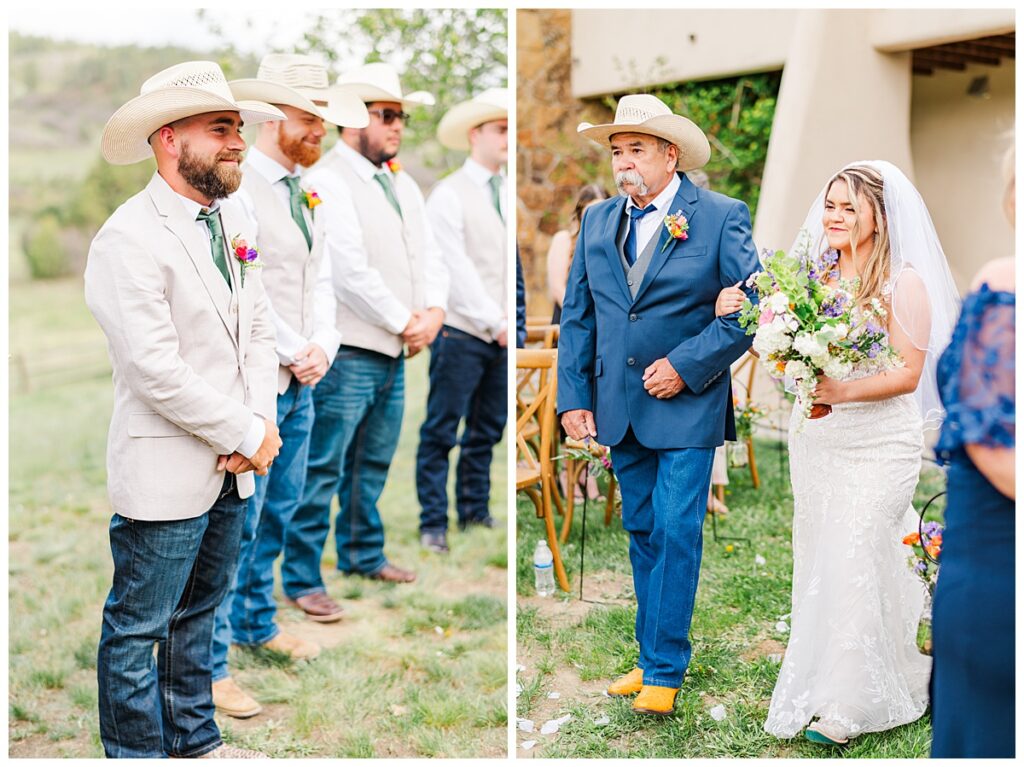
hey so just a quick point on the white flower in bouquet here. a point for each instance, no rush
(797, 369)
(779, 303)
(837, 368)
(811, 346)
(772, 338)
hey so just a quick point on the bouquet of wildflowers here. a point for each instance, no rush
(803, 327)
(927, 545)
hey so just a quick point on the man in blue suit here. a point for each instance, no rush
(643, 364)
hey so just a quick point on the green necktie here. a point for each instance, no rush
(495, 183)
(212, 219)
(384, 180)
(296, 200)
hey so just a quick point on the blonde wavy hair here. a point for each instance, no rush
(874, 270)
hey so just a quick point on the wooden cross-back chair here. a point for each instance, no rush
(536, 390)
(544, 335)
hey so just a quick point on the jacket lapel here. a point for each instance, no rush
(609, 242)
(685, 202)
(241, 299)
(178, 223)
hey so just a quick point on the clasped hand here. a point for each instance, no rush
(260, 462)
(422, 329)
(661, 379)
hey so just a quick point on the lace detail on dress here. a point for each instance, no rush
(977, 375)
(852, 657)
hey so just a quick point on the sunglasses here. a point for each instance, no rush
(388, 116)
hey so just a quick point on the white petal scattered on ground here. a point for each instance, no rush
(526, 745)
(551, 726)
(601, 721)
(397, 710)
(519, 689)
(702, 693)
(775, 657)
(718, 712)
(520, 667)
(784, 617)
(781, 627)
(605, 693)
(439, 630)
(554, 695)
(759, 560)
(526, 725)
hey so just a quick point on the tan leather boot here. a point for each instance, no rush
(232, 700)
(652, 699)
(292, 646)
(629, 684)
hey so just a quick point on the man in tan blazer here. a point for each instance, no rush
(173, 279)
(297, 277)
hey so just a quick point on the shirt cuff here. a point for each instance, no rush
(253, 438)
(327, 339)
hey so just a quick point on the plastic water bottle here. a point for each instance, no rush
(544, 570)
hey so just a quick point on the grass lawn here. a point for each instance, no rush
(569, 650)
(416, 670)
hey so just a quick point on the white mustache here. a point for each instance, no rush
(632, 178)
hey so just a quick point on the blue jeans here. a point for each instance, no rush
(357, 419)
(169, 578)
(246, 616)
(664, 500)
(468, 379)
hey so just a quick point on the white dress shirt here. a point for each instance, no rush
(257, 429)
(467, 293)
(361, 287)
(651, 224)
(289, 340)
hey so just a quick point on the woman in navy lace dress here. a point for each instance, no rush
(973, 616)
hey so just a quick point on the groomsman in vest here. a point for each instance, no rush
(192, 349)
(297, 278)
(469, 358)
(391, 288)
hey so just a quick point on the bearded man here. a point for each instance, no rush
(192, 349)
(643, 364)
(391, 287)
(298, 281)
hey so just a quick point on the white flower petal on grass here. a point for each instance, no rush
(519, 689)
(781, 627)
(525, 725)
(759, 560)
(551, 726)
(526, 745)
(438, 630)
(718, 712)
(554, 695)
(601, 721)
(520, 667)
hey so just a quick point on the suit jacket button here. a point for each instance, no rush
(631, 361)
(629, 282)
(632, 318)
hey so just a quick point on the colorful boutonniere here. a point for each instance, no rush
(677, 226)
(312, 198)
(248, 258)
(394, 165)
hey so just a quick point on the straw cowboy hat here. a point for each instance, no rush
(181, 91)
(302, 82)
(453, 130)
(647, 114)
(379, 82)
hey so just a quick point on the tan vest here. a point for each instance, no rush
(289, 268)
(394, 247)
(486, 245)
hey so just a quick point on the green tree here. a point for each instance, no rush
(736, 114)
(452, 53)
(44, 248)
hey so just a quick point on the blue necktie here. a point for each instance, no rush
(635, 214)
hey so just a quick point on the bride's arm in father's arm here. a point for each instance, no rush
(700, 359)
(577, 348)
(910, 340)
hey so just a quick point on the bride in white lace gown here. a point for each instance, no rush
(852, 664)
